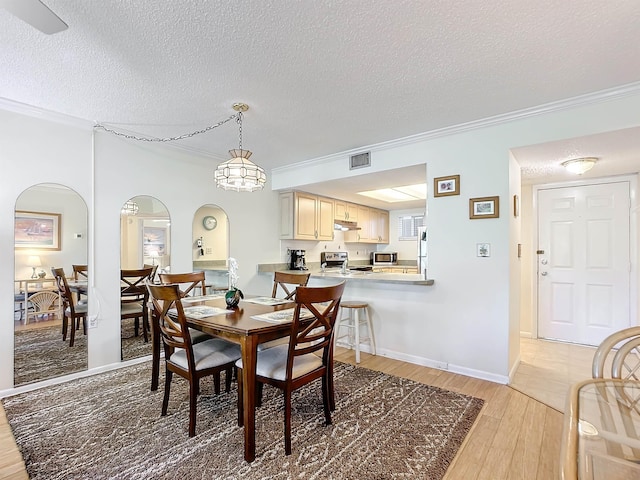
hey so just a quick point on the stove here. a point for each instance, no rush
(337, 259)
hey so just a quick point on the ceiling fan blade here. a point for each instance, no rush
(35, 13)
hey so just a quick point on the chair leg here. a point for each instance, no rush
(64, 328)
(287, 421)
(227, 379)
(326, 399)
(240, 403)
(73, 332)
(145, 328)
(259, 394)
(193, 397)
(216, 383)
(167, 388)
(136, 326)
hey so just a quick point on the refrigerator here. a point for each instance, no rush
(422, 251)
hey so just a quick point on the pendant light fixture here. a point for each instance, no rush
(240, 173)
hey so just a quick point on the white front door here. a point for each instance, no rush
(583, 262)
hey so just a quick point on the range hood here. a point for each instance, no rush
(344, 225)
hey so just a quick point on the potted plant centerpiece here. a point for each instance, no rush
(234, 294)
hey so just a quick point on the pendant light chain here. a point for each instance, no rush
(239, 120)
(172, 139)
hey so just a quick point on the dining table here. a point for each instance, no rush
(601, 430)
(247, 325)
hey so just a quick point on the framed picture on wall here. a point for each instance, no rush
(484, 207)
(37, 230)
(444, 186)
(154, 241)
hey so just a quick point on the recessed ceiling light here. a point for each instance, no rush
(403, 193)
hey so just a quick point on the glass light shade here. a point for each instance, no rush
(240, 173)
(580, 165)
(129, 208)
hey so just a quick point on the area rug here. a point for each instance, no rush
(109, 427)
(41, 353)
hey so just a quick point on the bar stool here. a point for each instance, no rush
(352, 322)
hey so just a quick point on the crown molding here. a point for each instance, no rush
(50, 115)
(560, 105)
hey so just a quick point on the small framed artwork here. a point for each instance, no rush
(37, 230)
(444, 186)
(484, 207)
(516, 206)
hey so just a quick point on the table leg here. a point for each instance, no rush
(26, 304)
(249, 356)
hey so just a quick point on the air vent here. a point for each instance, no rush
(360, 160)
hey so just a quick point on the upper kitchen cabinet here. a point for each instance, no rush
(379, 226)
(373, 226)
(346, 211)
(306, 217)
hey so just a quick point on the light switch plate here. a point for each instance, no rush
(483, 249)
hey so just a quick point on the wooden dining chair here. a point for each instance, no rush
(306, 357)
(72, 313)
(186, 282)
(154, 269)
(80, 272)
(288, 282)
(134, 297)
(182, 356)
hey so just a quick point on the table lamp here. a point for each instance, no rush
(33, 261)
(154, 254)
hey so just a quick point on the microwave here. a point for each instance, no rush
(384, 258)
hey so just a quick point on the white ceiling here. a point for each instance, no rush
(322, 76)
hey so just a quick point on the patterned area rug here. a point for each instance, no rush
(109, 426)
(41, 353)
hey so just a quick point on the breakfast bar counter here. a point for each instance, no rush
(362, 277)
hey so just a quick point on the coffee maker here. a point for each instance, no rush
(297, 260)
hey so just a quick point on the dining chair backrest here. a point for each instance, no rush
(80, 272)
(133, 282)
(186, 281)
(63, 288)
(618, 356)
(167, 307)
(311, 336)
(289, 282)
(154, 269)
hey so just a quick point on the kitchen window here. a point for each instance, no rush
(408, 226)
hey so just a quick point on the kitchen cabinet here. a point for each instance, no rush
(379, 226)
(346, 211)
(304, 216)
(374, 227)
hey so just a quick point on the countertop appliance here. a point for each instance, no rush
(384, 258)
(337, 259)
(296, 260)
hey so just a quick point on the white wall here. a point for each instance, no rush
(470, 317)
(463, 320)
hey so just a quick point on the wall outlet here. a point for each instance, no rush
(93, 321)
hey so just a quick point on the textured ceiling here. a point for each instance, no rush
(320, 76)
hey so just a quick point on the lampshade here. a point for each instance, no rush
(33, 261)
(580, 165)
(240, 173)
(129, 208)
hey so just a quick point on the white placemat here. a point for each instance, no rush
(201, 311)
(202, 298)
(281, 316)
(268, 301)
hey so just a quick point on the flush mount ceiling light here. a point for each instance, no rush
(240, 173)
(398, 194)
(580, 165)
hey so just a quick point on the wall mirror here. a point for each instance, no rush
(145, 241)
(50, 231)
(211, 246)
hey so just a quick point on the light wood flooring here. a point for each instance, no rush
(515, 436)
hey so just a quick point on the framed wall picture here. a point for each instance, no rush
(445, 186)
(37, 230)
(484, 207)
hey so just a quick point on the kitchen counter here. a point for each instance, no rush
(352, 275)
